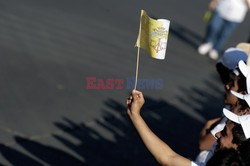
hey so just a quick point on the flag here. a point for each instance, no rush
(153, 35)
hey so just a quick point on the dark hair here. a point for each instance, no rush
(244, 150)
(227, 75)
(225, 157)
(242, 83)
(238, 134)
(243, 106)
(242, 88)
(224, 72)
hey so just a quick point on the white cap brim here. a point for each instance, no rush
(245, 123)
(243, 68)
(231, 116)
(243, 120)
(245, 71)
(245, 97)
(239, 95)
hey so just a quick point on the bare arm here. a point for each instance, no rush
(206, 138)
(159, 149)
(247, 2)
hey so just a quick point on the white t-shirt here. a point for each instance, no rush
(196, 164)
(232, 10)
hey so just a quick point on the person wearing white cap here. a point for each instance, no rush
(163, 154)
(231, 137)
(225, 139)
(229, 73)
(232, 79)
(243, 121)
(237, 129)
(228, 63)
(246, 72)
(239, 116)
(233, 133)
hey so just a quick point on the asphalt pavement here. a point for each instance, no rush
(48, 50)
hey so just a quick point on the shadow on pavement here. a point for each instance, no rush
(186, 35)
(124, 147)
(48, 154)
(17, 158)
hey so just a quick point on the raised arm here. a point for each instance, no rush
(206, 138)
(247, 2)
(159, 149)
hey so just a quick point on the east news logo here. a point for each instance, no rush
(120, 83)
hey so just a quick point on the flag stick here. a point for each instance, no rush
(137, 66)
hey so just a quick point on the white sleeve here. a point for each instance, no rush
(196, 164)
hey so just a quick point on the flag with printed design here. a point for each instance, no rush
(153, 35)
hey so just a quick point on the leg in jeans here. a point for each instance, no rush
(214, 27)
(225, 33)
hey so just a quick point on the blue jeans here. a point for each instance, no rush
(219, 30)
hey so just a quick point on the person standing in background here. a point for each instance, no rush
(227, 15)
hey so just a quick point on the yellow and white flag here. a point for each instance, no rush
(153, 35)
